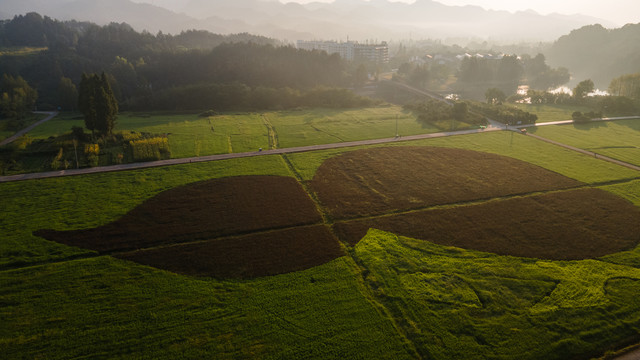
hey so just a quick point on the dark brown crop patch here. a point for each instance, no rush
(569, 225)
(381, 180)
(248, 256)
(231, 227)
(199, 211)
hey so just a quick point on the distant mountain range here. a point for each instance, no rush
(374, 20)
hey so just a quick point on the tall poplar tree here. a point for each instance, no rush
(98, 104)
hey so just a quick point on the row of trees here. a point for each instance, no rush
(505, 114)
(626, 85)
(141, 65)
(434, 111)
(507, 72)
(17, 98)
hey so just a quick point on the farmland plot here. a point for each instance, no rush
(618, 139)
(325, 126)
(460, 304)
(388, 297)
(377, 181)
(269, 208)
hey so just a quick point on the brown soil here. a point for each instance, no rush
(382, 180)
(247, 256)
(578, 224)
(263, 225)
(201, 211)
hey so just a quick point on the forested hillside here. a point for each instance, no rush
(598, 53)
(148, 71)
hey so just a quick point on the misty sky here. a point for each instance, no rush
(618, 11)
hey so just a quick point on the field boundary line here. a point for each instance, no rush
(476, 202)
(206, 240)
(326, 217)
(90, 254)
(585, 152)
(271, 132)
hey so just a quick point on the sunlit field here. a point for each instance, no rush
(618, 139)
(190, 135)
(387, 296)
(549, 112)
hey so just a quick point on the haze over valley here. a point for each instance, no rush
(339, 20)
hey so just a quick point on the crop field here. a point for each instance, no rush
(378, 181)
(549, 112)
(554, 158)
(461, 304)
(205, 214)
(324, 126)
(195, 281)
(190, 135)
(618, 139)
(572, 225)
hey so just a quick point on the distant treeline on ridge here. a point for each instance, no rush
(191, 70)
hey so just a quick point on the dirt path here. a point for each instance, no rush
(13, 137)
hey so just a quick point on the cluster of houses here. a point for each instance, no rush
(443, 59)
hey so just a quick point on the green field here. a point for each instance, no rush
(8, 127)
(618, 139)
(549, 113)
(190, 135)
(390, 297)
(301, 128)
(555, 158)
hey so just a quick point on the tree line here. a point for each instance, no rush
(147, 71)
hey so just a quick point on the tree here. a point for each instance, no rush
(494, 96)
(361, 76)
(460, 110)
(16, 97)
(98, 104)
(582, 89)
(68, 94)
(626, 85)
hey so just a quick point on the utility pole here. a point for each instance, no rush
(397, 135)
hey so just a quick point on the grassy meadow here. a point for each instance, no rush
(618, 139)
(389, 297)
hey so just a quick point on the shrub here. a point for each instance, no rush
(92, 152)
(156, 148)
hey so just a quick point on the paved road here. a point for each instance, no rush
(566, 122)
(101, 169)
(29, 128)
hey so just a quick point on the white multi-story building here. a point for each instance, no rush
(350, 50)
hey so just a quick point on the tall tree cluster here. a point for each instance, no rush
(16, 97)
(98, 104)
(626, 85)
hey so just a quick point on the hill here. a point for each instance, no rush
(596, 53)
(359, 20)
